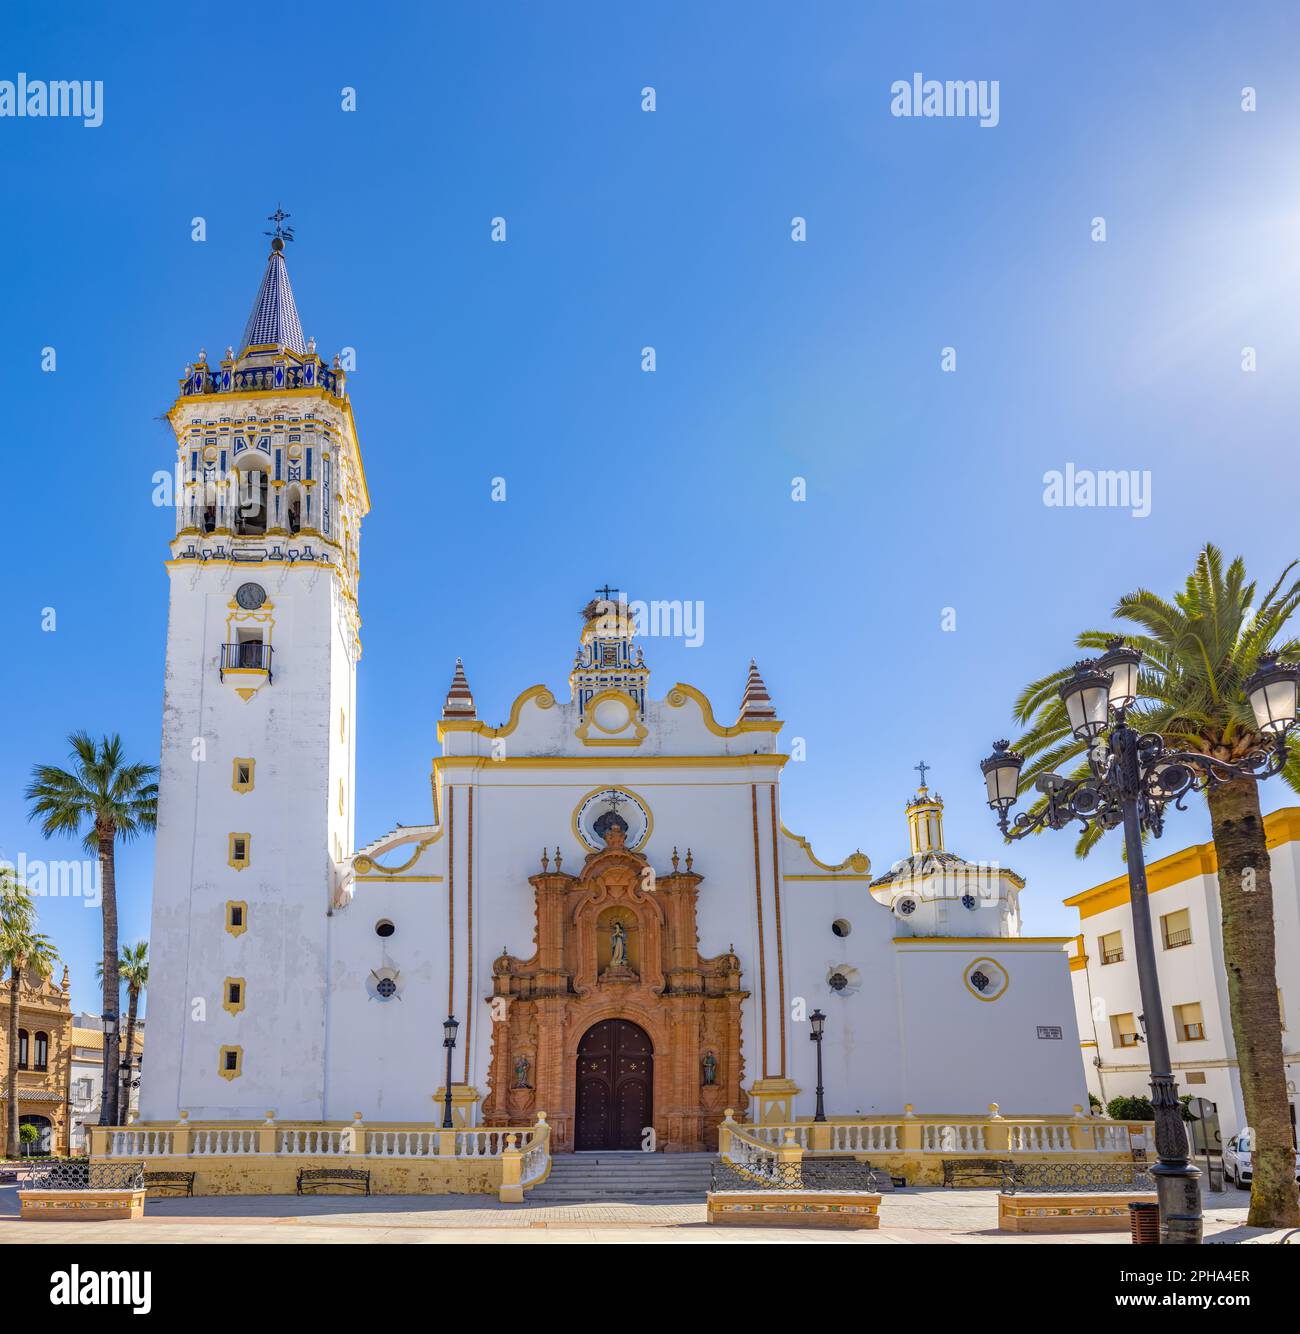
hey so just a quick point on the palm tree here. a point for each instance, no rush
(133, 969)
(22, 949)
(1197, 652)
(17, 913)
(110, 799)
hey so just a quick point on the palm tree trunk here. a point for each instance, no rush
(133, 1006)
(11, 1112)
(1250, 958)
(112, 988)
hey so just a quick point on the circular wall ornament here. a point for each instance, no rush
(986, 979)
(250, 596)
(384, 984)
(628, 805)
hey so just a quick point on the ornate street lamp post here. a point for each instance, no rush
(449, 1042)
(818, 1022)
(1132, 779)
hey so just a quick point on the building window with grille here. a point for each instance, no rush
(22, 1049)
(1176, 929)
(1111, 947)
(1189, 1022)
(42, 1051)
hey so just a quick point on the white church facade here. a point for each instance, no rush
(604, 893)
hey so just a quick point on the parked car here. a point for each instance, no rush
(1237, 1159)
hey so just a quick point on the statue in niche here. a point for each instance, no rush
(710, 1069)
(620, 965)
(618, 946)
(521, 1073)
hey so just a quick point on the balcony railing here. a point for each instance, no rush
(310, 375)
(1112, 956)
(250, 656)
(1173, 939)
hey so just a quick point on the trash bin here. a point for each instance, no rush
(1144, 1223)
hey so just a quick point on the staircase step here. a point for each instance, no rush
(625, 1176)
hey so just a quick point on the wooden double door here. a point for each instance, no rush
(615, 1086)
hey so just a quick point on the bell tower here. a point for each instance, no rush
(256, 798)
(607, 659)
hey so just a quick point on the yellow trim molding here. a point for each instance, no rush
(997, 967)
(366, 863)
(542, 694)
(681, 692)
(1002, 941)
(632, 796)
(227, 1069)
(244, 782)
(612, 738)
(1281, 826)
(442, 762)
(232, 1004)
(855, 861)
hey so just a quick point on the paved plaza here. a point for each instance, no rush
(920, 1214)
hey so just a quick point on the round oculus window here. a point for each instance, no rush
(384, 928)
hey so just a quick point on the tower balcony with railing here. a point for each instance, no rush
(246, 663)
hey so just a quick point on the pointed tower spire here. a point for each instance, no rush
(460, 703)
(274, 318)
(756, 702)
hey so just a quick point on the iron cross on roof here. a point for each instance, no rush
(281, 232)
(922, 767)
(615, 799)
(607, 592)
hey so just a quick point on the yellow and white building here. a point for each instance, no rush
(1187, 923)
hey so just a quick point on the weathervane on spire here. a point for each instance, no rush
(281, 233)
(922, 767)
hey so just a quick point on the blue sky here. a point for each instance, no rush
(775, 359)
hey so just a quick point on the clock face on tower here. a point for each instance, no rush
(250, 596)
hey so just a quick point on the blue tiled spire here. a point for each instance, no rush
(274, 318)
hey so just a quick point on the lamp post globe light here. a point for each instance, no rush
(449, 1027)
(1132, 777)
(817, 1025)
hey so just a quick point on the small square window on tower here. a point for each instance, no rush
(242, 777)
(238, 855)
(232, 995)
(230, 1062)
(236, 918)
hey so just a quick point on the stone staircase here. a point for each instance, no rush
(611, 1177)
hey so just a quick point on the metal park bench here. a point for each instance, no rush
(178, 1182)
(975, 1171)
(1070, 1177)
(345, 1178)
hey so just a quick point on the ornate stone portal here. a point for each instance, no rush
(618, 942)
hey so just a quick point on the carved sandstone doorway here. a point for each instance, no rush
(615, 1079)
(615, 945)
